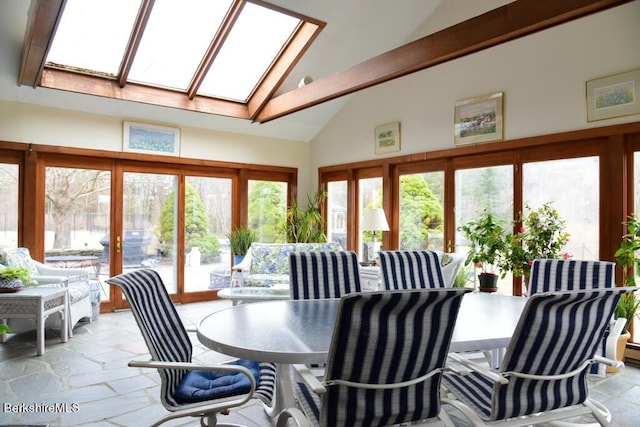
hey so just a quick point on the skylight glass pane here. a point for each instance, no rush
(255, 40)
(93, 35)
(175, 40)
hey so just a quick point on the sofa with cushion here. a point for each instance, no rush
(76, 279)
(267, 264)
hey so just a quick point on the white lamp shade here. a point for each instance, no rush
(374, 220)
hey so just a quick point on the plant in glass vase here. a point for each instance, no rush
(487, 245)
(541, 235)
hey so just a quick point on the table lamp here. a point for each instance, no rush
(374, 220)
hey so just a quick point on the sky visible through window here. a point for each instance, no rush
(93, 35)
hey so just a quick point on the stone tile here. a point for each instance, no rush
(91, 370)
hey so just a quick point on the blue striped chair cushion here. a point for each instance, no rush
(557, 332)
(165, 335)
(381, 338)
(565, 275)
(323, 274)
(549, 275)
(411, 270)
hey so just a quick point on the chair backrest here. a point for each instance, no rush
(389, 337)
(556, 334)
(411, 270)
(549, 275)
(323, 274)
(159, 323)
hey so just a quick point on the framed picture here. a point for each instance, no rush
(387, 138)
(151, 139)
(479, 119)
(613, 96)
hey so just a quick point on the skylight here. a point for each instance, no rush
(222, 50)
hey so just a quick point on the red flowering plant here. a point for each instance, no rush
(541, 234)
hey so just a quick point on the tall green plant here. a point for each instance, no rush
(627, 256)
(306, 225)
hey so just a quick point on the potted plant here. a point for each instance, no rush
(306, 226)
(541, 235)
(14, 278)
(487, 243)
(626, 255)
(240, 240)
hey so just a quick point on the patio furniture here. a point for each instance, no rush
(266, 264)
(323, 274)
(543, 376)
(385, 361)
(254, 293)
(75, 279)
(568, 274)
(187, 389)
(411, 270)
(37, 303)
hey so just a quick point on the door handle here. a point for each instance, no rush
(118, 244)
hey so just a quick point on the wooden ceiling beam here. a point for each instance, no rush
(300, 43)
(506, 23)
(98, 86)
(41, 25)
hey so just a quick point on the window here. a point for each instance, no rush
(223, 50)
(369, 196)
(477, 190)
(267, 209)
(9, 189)
(78, 219)
(337, 200)
(422, 211)
(549, 181)
(206, 225)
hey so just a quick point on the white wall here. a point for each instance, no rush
(21, 122)
(542, 76)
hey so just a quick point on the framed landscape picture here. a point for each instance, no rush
(387, 138)
(613, 96)
(151, 139)
(478, 119)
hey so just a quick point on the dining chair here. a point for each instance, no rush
(568, 274)
(187, 388)
(385, 361)
(323, 274)
(543, 376)
(411, 270)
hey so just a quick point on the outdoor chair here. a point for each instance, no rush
(567, 274)
(385, 361)
(411, 270)
(323, 274)
(543, 376)
(187, 389)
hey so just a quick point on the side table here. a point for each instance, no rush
(37, 303)
(254, 293)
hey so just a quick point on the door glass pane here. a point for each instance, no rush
(635, 337)
(149, 222)
(267, 209)
(369, 196)
(207, 222)
(337, 208)
(422, 211)
(572, 185)
(478, 190)
(9, 206)
(77, 220)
